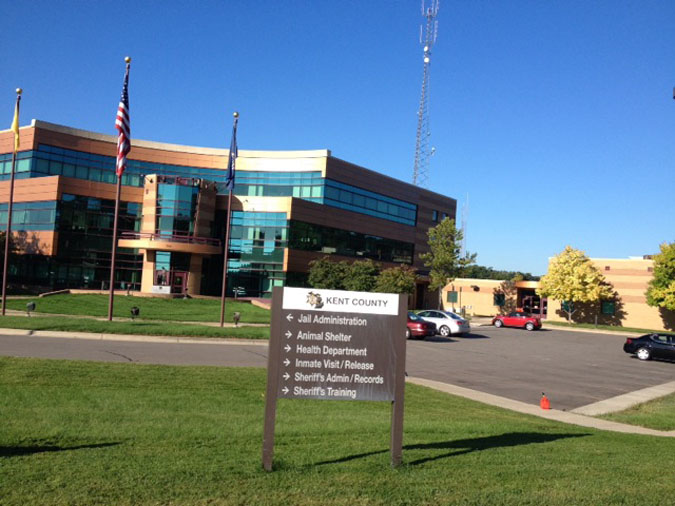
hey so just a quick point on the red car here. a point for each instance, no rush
(418, 327)
(517, 319)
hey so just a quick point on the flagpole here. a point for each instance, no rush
(118, 194)
(10, 204)
(111, 298)
(232, 156)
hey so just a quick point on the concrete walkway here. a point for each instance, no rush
(549, 414)
(625, 401)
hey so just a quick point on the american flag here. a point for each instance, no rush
(229, 178)
(122, 124)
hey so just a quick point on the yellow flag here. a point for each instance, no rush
(15, 127)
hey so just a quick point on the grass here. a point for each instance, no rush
(139, 327)
(606, 327)
(658, 414)
(189, 310)
(85, 433)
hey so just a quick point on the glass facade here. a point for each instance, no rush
(52, 161)
(176, 209)
(49, 161)
(31, 215)
(82, 259)
(305, 185)
(362, 201)
(311, 237)
(256, 255)
(85, 226)
(257, 239)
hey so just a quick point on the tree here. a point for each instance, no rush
(323, 273)
(362, 276)
(571, 278)
(482, 272)
(444, 256)
(399, 279)
(661, 288)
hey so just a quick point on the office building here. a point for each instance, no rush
(289, 207)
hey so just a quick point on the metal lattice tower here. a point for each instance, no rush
(422, 149)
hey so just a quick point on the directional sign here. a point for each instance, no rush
(336, 345)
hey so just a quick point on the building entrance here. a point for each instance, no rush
(179, 282)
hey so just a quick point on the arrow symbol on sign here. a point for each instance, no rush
(286, 362)
(287, 348)
(284, 390)
(289, 317)
(286, 375)
(288, 334)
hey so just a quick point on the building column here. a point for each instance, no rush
(148, 275)
(195, 277)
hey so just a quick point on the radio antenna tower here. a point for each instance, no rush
(422, 150)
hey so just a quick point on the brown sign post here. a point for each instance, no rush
(336, 345)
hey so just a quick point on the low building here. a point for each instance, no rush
(488, 297)
(628, 308)
(289, 207)
(629, 278)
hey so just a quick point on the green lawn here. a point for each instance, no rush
(657, 414)
(84, 433)
(138, 327)
(193, 310)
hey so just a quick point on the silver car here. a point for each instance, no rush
(447, 322)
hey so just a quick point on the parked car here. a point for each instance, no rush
(447, 322)
(417, 327)
(517, 319)
(651, 346)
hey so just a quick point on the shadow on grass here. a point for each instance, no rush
(19, 451)
(464, 446)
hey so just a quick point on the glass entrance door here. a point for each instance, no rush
(179, 282)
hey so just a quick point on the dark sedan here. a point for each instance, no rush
(651, 346)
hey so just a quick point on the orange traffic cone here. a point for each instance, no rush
(544, 403)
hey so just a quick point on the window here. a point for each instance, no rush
(434, 215)
(499, 299)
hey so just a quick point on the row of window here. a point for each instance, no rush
(49, 160)
(366, 202)
(30, 215)
(134, 166)
(316, 238)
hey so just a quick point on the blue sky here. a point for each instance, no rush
(555, 118)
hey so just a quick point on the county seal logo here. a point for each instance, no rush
(314, 300)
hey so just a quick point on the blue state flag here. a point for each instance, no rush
(229, 178)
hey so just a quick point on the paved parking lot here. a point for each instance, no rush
(573, 368)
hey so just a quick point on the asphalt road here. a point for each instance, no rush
(573, 368)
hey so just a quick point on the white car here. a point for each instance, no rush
(447, 323)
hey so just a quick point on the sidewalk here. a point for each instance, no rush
(550, 414)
